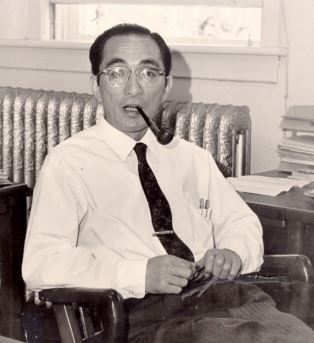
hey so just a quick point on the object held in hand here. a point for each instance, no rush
(200, 289)
(198, 274)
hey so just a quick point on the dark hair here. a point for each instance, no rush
(96, 50)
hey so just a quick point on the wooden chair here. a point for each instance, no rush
(286, 278)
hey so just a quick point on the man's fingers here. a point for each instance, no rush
(218, 264)
(193, 269)
(180, 262)
(172, 289)
(183, 267)
(209, 263)
(178, 281)
(182, 272)
(225, 269)
(167, 274)
(235, 269)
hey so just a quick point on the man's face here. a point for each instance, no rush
(133, 52)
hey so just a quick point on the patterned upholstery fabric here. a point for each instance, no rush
(32, 122)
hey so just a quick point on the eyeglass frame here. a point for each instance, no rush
(160, 73)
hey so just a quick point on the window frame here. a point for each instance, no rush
(251, 3)
(40, 23)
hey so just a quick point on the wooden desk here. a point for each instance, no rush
(287, 219)
(12, 235)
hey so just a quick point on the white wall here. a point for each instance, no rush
(266, 83)
(266, 103)
(300, 30)
(13, 19)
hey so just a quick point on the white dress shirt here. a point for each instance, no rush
(90, 223)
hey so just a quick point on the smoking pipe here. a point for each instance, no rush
(163, 136)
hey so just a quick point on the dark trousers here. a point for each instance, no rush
(228, 312)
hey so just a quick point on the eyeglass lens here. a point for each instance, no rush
(119, 76)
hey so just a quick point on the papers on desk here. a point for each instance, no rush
(302, 174)
(264, 185)
(296, 149)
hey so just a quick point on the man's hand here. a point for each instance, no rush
(222, 263)
(167, 274)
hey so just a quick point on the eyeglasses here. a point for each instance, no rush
(119, 76)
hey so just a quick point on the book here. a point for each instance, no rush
(304, 112)
(296, 151)
(301, 141)
(302, 174)
(292, 166)
(264, 185)
(292, 124)
(297, 160)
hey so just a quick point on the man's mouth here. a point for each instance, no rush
(131, 109)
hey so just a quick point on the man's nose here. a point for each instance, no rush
(132, 87)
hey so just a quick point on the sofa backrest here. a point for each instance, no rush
(32, 122)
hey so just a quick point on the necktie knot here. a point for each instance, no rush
(140, 150)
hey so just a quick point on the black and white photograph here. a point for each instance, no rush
(156, 171)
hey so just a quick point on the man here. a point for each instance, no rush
(101, 219)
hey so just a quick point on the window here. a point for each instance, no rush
(210, 22)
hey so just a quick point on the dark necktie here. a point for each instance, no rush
(159, 208)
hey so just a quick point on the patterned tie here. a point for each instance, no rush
(159, 208)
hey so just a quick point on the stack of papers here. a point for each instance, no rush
(264, 185)
(297, 150)
(302, 174)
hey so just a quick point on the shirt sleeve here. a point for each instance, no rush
(236, 226)
(52, 257)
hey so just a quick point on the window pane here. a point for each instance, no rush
(216, 25)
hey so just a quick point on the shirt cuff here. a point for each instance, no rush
(251, 259)
(131, 278)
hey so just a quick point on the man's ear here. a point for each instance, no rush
(169, 81)
(95, 87)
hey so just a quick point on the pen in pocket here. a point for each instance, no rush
(201, 207)
(204, 208)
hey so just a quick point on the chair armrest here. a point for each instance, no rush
(288, 279)
(107, 302)
(295, 267)
(80, 296)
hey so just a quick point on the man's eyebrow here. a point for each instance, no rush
(151, 62)
(148, 61)
(115, 61)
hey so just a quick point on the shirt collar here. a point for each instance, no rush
(121, 143)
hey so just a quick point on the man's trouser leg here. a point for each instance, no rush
(227, 312)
